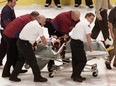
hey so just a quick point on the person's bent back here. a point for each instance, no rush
(14, 28)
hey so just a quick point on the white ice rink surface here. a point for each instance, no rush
(62, 78)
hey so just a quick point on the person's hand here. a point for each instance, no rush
(35, 45)
(46, 46)
(66, 36)
(99, 17)
(90, 48)
(113, 36)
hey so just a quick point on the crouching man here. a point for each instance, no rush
(27, 37)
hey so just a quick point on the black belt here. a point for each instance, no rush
(1, 30)
(76, 39)
(23, 40)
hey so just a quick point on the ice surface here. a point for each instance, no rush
(62, 78)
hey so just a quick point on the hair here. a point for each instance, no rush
(89, 15)
(10, 0)
(38, 17)
(34, 13)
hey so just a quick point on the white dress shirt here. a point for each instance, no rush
(81, 30)
(31, 32)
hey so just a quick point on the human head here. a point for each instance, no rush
(34, 14)
(75, 15)
(90, 17)
(41, 20)
(11, 3)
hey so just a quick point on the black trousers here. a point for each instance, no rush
(88, 2)
(3, 48)
(101, 25)
(78, 57)
(55, 1)
(12, 54)
(26, 53)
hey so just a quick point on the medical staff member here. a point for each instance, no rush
(27, 37)
(62, 24)
(80, 34)
(10, 35)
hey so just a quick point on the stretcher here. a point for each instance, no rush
(45, 53)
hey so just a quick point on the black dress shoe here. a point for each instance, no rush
(76, 5)
(71, 77)
(23, 71)
(114, 65)
(47, 5)
(90, 6)
(41, 79)
(83, 78)
(16, 79)
(78, 79)
(108, 66)
(58, 5)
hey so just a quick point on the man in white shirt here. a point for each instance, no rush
(27, 37)
(79, 35)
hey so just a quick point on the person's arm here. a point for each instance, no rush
(64, 27)
(89, 41)
(111, 21)
(43, 39)
(63, 22)
(111, 30)
(88, 35)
